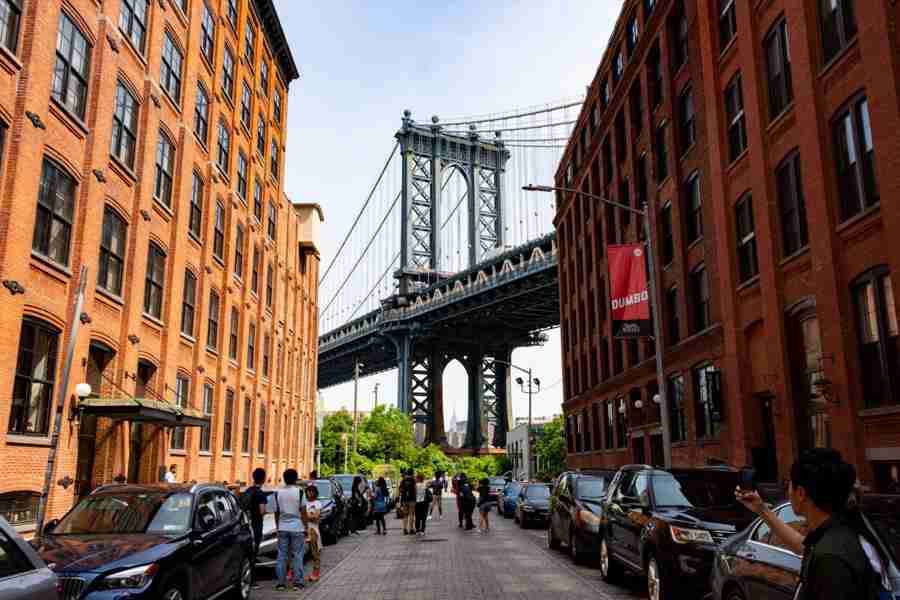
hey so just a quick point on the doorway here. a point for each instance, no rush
(99, 357)
(637, 450)
(765, 459)
(657, 456)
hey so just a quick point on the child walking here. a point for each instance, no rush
(313, 513)
(485, 504)
(380, 506)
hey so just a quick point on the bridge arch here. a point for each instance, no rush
(453, 218)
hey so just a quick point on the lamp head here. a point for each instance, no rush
(537, 382)
(83, 390)
(519, 380)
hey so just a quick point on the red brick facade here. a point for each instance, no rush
(141, 334)
(799, 250)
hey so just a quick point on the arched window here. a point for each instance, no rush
(35, 378)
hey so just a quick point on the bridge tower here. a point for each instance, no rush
(429, 154)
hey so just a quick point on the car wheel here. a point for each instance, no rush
(573, 548)
(657, 583)
(735, 594)
(610, 570)
(173, 592)
(552, 542)
(245, 581)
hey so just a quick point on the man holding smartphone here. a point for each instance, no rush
(835, 565)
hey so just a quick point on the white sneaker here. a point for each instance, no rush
(429, 518)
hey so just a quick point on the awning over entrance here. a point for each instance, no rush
(144, 410)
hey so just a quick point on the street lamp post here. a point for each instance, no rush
(644, 212)
(355, 396)
(533, 384)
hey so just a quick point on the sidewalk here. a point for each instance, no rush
(449, 564)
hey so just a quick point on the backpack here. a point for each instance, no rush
(380, 502)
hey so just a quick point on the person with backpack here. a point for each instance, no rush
(288, 505)
(437, 488)
(408, 500)
(380, 501)
(466, 500)
(253, 502)
(423, 502)
(842, 555)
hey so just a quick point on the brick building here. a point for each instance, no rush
(144, 142)
(763, 163)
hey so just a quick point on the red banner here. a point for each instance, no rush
(629, 295)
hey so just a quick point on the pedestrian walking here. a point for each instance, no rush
(842, 555)
(288, 505)
(357, 506)
(423, 503)
(253, 502)
(313, 535)
(380, 500)
(485, 504)
(466, 502)
(437, 488)
(408, 499)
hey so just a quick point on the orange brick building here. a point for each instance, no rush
(144, 143)
(762, 136)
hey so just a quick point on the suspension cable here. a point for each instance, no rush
(360, 213)
(514, 116)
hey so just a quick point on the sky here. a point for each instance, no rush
(363, 62)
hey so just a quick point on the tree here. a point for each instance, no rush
(551, 449)
(333, 429)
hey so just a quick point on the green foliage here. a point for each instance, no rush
(386, 446)
(551, 448)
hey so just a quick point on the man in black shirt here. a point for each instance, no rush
(835, 566)
(254, 500)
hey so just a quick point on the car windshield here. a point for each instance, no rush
(324, 488)
(346, 482)
(128, 513)
(497, 481)
(590, 488)
(700, 489)
(537, 491)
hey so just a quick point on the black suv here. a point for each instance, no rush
(575, 508)
(667, 525)
(151, 542)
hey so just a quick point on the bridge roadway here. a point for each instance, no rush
(452, 564)
(504, 301)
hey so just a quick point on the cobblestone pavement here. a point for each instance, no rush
(452, 564)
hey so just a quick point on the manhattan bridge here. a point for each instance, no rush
(449, 259)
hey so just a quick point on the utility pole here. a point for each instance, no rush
(61, 403)
(355, 398)
(376, 395)
(346, 452)
(530, 470)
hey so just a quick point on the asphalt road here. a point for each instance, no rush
(452, 564)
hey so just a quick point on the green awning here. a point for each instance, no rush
(145, 410)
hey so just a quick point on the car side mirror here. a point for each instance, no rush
(49, 526)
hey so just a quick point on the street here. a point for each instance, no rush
(450, 563)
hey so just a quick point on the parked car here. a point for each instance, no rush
(755, 564)
(496, 484)
(506, 504)
(575, 513)
(667, 525)
(533, 505)
(158, 541)
(23, 574)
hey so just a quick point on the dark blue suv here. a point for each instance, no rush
(142, 542)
